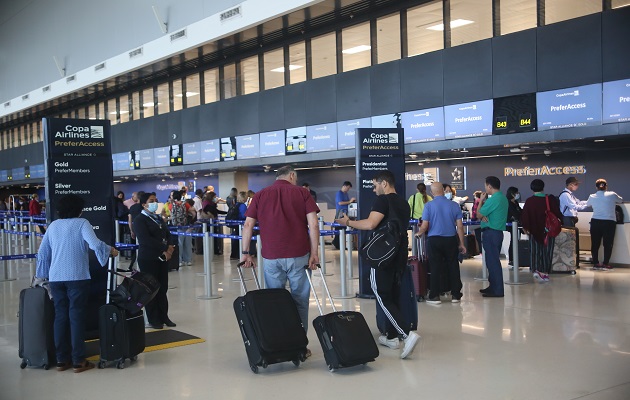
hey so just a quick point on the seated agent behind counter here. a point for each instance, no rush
(63, 259)
(388, 206)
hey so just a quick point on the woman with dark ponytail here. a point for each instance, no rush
(603, 223)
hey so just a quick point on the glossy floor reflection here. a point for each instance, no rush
(567, 339)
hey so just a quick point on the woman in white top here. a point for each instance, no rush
(603, 223)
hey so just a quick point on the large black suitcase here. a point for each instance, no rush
(35, 329)
(344, 335)
(121, 333)
(407, 302)
(173, 262)
(270, 325)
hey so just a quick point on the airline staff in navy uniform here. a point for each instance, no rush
(154, 251)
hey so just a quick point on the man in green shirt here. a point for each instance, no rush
(492, 212)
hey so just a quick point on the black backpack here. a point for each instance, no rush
(381, 247)
(233, 213)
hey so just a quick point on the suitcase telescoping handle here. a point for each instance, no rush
(422, 241)
(310, 281)
(239, 267)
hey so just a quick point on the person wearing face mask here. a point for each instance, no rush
(63, 259)
(155, 249)
(514, 215)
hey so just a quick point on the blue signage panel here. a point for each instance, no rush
(321, 137)
(120, 161)
(387, 121)
(146, 158)
(423, 125)
(3, 176)
(247, 146)
(346, 132)
(161, 157)
(569, 108)
(18, 174)
(192, 153)
(617, 101)
(37, 171)
(272, 144)
(468, 119)
(210, 151)
(296, 140)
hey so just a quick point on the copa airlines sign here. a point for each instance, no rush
(545, 170)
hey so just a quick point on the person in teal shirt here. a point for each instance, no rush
(492, 212)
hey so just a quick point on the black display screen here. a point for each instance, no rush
(514, 114)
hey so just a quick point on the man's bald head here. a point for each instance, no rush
(437, 189)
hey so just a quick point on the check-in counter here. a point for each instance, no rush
(621, 248)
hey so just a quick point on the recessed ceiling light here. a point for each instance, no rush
(357, 49)
(149, 104)
(598, 140)
(463, 150)
(188, 94)
(291, 68)
(454, 24)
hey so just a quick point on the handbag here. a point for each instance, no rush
(553, 225)
(135, 291)
(381, 247)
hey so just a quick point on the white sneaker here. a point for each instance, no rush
(189, 263)
(434, 301)
(537, 277)
(181, 264)
(391, 343)
(410, 343)
(455, 300)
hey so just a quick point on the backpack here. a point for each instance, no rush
(553, 225)
(233, 212)
(382, 245)
(178, 214)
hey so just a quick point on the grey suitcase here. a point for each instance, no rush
(35, 329)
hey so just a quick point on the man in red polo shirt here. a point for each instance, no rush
(287, 216)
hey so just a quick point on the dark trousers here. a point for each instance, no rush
(70, 298)
(157, 309)
(569, 221)
(442, 254)
(602, 229)
(491, 242)
(386, 287)
(541, 254)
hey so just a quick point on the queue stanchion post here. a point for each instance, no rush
(240, 241)
(204, 230)
(484, 269)
(342, 266)
(515, 260)
(414, 244)
(349, 246)
(207, 265)
(4, 243)
(259, 259)
(322, 249)
(31, 243)
(117, 236)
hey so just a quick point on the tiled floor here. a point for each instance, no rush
(567, 339)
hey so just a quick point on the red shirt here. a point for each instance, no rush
(34, 208)
(281, 211)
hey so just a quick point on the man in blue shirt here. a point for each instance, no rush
(569, 204)
(442, 221)
(342, 199)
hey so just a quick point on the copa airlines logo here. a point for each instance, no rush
(473, 107)
(381, 138)
(81, 132)
(573, 93)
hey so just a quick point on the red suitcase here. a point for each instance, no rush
(420, 270)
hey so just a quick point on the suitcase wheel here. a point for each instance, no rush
(296, 362)
(46, 367)
(264, 364)
(254, 368)
(120, 364)
(134, 358)
(572, 272)
(101, 364)
(23, 364)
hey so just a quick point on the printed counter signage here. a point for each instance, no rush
(272, 144)
(161, 157)
(377, 149)
(423, 125)
(616, 101)
(247, 146)
(468, 119)
(192, 153)
(210, 151)
(79, 161)
(570, 108)
(321, 137)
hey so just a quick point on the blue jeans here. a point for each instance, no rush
(70, 300)
(278, 271)
(185, 248)
(491, 242)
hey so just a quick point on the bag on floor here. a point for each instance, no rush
(135, 291)
(35, 328)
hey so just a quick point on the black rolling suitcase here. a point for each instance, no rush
(270, 325)
(407, 302)
(173, 262)
(344, 335)
(121, 333)
(36, 336)
(470, 241)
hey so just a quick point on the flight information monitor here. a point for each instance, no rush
(514, 114)
(346, 132)
(210, 150)
(296, 140)
(272, 144)
(617, 101)
(161, 156)
(468, 119)
(247, 146)
(423, 125)
(321, 137)
(570, 108)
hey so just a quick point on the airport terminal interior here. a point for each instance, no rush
(223, 93)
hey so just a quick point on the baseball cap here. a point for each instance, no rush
(572, 179)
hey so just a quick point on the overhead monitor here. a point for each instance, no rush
(228, 148)
(120, 161)
(146, 158)
(192, 153)
(569, 108)
(272, 144)
(176, 154)
(161, 157)
(393, 120)
(134, 159)
(296, 140)
(18, 173)
(321, 137)
(37, 171)
(210, 150)
(514, 114)
(3, 175)
(423, 125)
(468, 119)
(346, 132)
(248, 146)
(616, 101)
